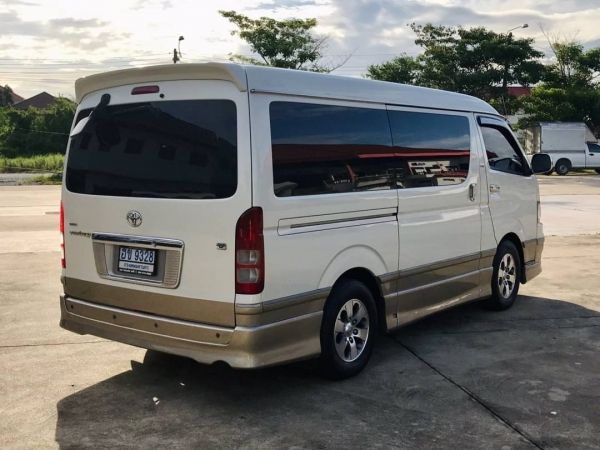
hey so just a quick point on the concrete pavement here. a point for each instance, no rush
(466, 378)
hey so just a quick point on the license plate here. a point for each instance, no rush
(138, 261)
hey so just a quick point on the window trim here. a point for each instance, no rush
(388, 108)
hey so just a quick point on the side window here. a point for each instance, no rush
(593, 148)
(328, 149)
(430, 149)
(502, 152)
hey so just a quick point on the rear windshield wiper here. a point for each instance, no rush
(100, 108)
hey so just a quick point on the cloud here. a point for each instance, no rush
(375, 31)
(82, 34)
(9, 3)
(283, 4)
(162, 4)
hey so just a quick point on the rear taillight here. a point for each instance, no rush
(249, 253)
(63, 261)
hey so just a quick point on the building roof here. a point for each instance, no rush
(41, 100)
(519, 91)
(287, 81)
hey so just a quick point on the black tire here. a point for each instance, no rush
(597, 171)
(562, 166)
(350, 339)
(504, 292)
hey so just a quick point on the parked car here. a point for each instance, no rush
(571, 145)
(257, 216)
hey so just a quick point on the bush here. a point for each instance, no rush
(39, 163)
(36, 131)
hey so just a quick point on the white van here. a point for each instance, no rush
(572, 145)
(256, 216)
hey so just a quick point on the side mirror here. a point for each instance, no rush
(541, 163)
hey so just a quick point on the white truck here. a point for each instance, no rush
(571, 145)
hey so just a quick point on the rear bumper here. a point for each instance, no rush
(242, 346)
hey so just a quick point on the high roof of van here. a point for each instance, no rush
(286, 81)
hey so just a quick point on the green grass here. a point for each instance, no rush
(55, 178)
(40, 163)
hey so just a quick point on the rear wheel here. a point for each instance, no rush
(597, 171)
(506, 277)
(562, 167)
(348, 330)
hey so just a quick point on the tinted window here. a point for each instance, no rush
(171, 149)
(593, 148)
(430, 149)
(501, 151)
(321, 149)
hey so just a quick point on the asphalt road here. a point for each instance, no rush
(466, 378)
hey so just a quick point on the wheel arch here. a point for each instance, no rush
(366, 277)
(512, 237)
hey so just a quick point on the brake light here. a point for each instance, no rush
(249, 253)
(145, 90)
(63, 261)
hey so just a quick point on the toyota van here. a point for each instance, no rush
(257, 216)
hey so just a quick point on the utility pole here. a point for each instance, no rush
(177, 51)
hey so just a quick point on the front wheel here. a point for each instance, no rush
(562, 167)
(597, 171)
(348, 330)
(506, 277)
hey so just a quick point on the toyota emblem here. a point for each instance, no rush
(134, 218)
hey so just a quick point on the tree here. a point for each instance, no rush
(570, 90)
(279, 43)
(562, 104)
(402, 69)
(6, 98)
(573, 67)
(474, 61)
(33, 131)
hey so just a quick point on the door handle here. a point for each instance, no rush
(494, 188)
(472, 187)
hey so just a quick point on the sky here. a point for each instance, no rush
(46, 45)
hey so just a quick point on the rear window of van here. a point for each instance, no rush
(170, 149)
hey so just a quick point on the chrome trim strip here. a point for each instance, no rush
(563, 151)
(488, 253)
(437, 283)
(282, 302)
(386, 278)
(334, 221)
(281, 322)
(297, 299)
(147, 323)
(170, 258)
(162, 304)
(137, 240)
